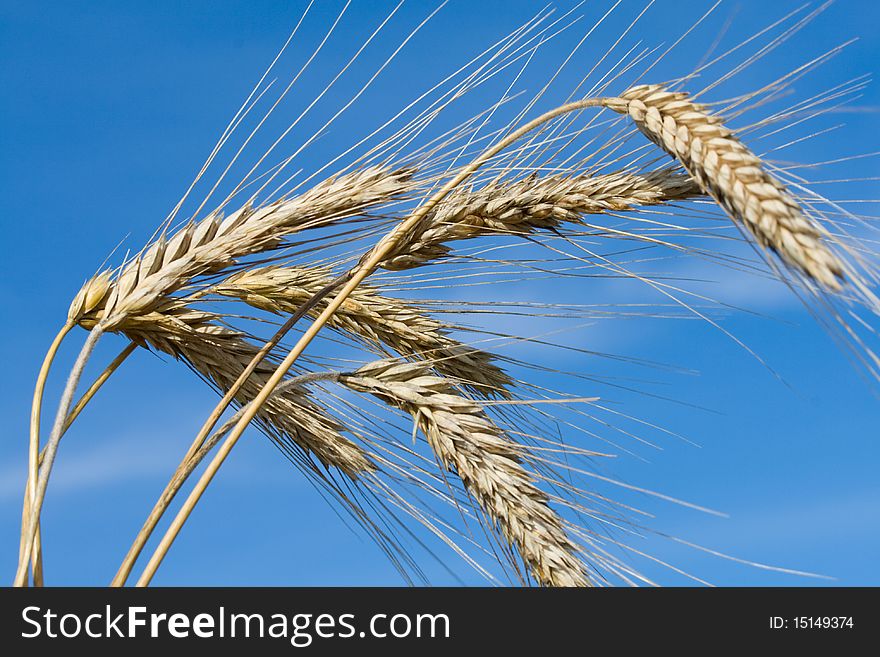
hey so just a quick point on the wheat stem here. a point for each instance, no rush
(52, 447)
(181, 473)
(36, 559)
(188, 464)
(74, 413)
(98, 383)
(34, 455)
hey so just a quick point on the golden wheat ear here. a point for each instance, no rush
(735, 177)
(466, 442)
(217, 242)
(532, 204)
(376, 319)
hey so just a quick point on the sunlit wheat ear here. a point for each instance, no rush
(533, 203)
(379, 320)
(215, 242)
(220, 354)
(489, 465)
(90, 296)
(735, 177)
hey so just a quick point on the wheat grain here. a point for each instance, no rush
(467, 442)
(375, 318)
(90, 297)
(530, 204)
(734, 176)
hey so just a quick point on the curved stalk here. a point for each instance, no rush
(37, 560)
(33, 456)
(51, 449)
(186, 468)
(181, 472)
(100, 381)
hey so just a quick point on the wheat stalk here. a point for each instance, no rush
(530, 204)
(489, 465)
(735, 177)
(375, 318)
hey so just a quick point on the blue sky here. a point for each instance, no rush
(110, 109)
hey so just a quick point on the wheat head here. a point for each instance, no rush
(533, 203)
(735, 177)
(375, 318)
(220, 354)
(216, 242)
(489, 465)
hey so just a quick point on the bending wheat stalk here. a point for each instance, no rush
(36, 557)
(51, 450)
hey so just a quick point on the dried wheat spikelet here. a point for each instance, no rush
(489, 465)
(377, 319)
(534, 203)
(734, 176)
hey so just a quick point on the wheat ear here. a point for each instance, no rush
(375, 318)
(533, 203)
(735, 177)
(489, 465)
(216, 242)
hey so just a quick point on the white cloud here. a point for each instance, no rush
(101, 465)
